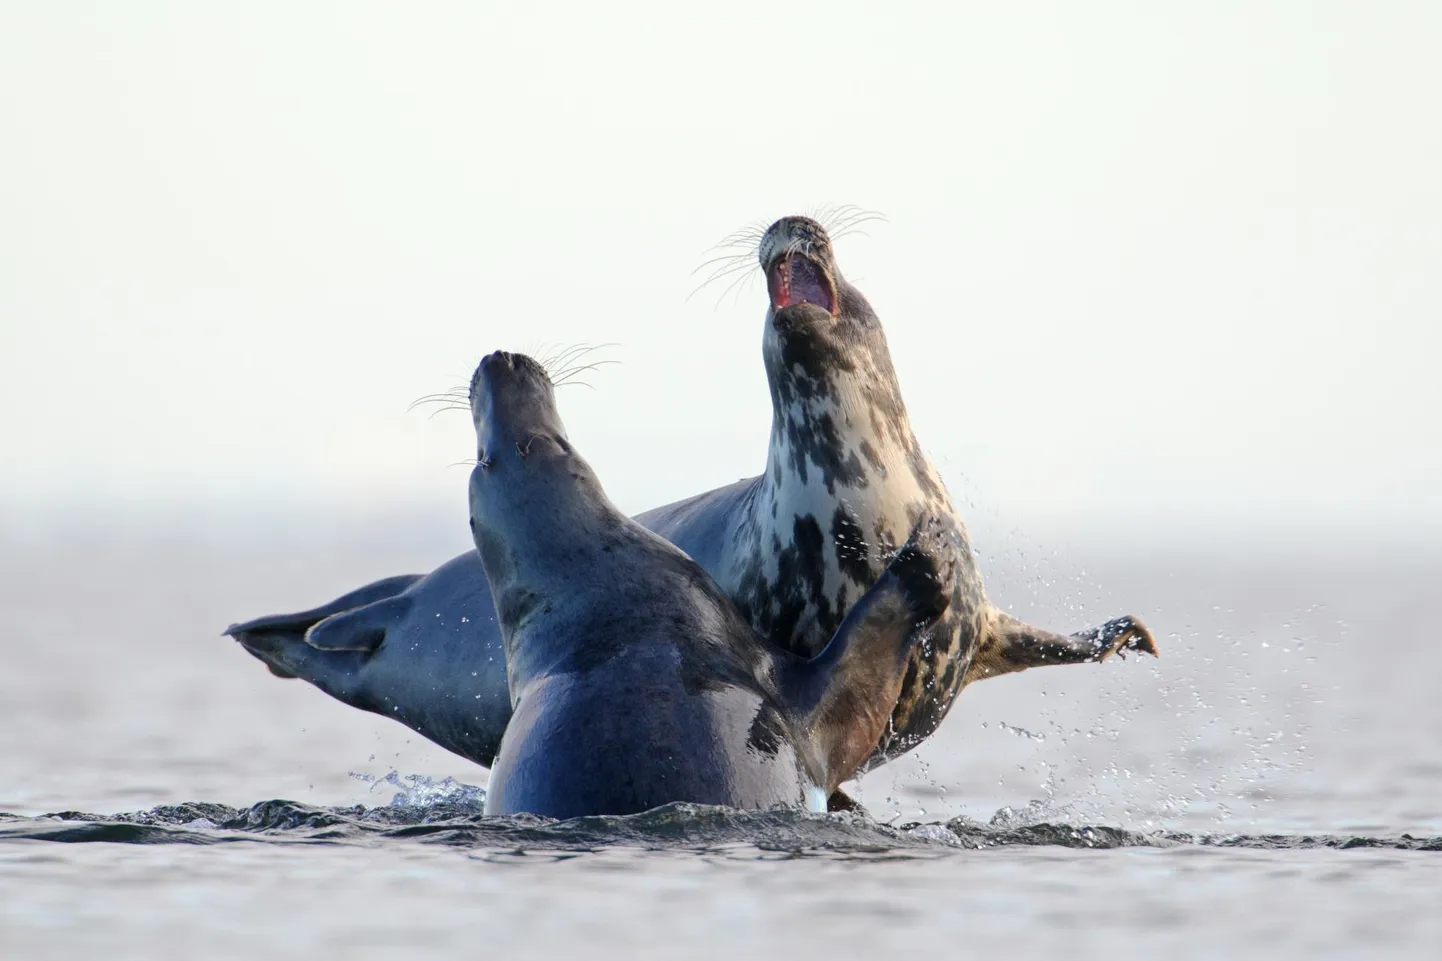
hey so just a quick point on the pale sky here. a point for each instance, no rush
(1163, 261)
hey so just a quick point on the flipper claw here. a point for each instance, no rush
(1010, 645)
(1120, 635)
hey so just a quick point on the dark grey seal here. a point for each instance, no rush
(795, 548)
(634, 681)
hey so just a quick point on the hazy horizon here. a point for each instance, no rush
(1174, 268)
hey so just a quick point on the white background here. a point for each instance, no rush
(1172, 263)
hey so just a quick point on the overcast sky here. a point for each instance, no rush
(1166, 261)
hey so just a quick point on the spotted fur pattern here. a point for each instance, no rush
(845, 483)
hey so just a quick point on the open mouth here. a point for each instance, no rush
(796, 279)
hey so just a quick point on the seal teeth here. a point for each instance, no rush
(797, 279)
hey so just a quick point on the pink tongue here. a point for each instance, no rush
(806, 285)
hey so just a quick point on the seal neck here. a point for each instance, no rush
(535, 530)
(538, 539)
(837, 413)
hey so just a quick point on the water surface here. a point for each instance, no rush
(1270, 787)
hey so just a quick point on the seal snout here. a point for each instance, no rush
(513, 408)
(498, 364)
(501, 372)
(795, 253)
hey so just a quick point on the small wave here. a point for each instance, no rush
(451, 817)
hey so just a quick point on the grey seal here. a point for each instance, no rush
(634, 680)
(794, 548)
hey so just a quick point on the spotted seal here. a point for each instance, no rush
(794, 548)
(634, 680)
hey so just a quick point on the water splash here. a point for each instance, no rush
(420, 791)
(1021, 731)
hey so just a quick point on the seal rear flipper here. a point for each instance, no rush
(335, 672)
(845, 695)
(1010, 645)
(362, 630)
(331, 652)
(301, 621)
(297, 645)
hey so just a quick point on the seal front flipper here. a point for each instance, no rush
(1010, 645)
(845, 695)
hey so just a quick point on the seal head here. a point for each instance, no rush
(795, 253)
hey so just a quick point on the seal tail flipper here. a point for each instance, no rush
(301, 621)
(288, 656)
(278, 639)
(362, 630)
(1010, 645)
(845, 695)
(331, 652)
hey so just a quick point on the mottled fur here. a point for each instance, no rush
(845, 481)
